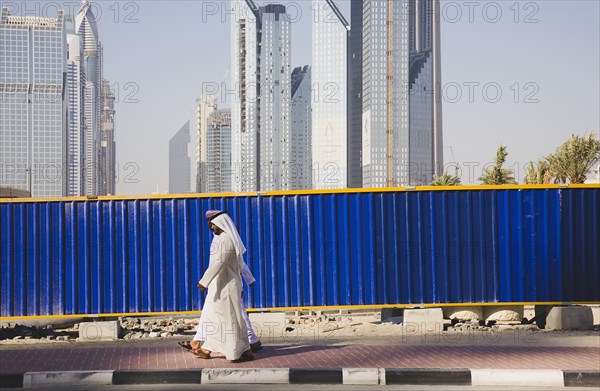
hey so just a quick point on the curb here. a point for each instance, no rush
(347, 376)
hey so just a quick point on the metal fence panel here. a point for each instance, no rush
(112, 256)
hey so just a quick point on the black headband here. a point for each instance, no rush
(218, 214)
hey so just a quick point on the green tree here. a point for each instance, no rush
(538, 173)
(498, 175)
(572, 161)
(445, 180)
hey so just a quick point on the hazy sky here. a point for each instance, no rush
(520, 73)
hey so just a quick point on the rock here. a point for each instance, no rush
(169, 329)
(18, 337)
(165, 335)
(466, 315)
(51, 338)
(504, 316)
(502, 327)
(154, 335)
(512, 313)
(76, 326)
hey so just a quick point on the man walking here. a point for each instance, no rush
(227, 251)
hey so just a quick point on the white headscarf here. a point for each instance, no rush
(224, 222)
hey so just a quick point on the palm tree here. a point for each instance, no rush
(538, 173)
(498, 175)
(445, 180)
(574, 158)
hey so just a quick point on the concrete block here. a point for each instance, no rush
(424, 320)
(47, 379)
(464, 313)
(387, 313)
(268, 325)
(529, 311)
(245, 376)
(595, 312)
(570, 318)
(363, 376)
(395, 320)
(517, 377)
(96, 331)
(503, 313)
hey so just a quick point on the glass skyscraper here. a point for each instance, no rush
(213, 147)
(33, 111)
(107, 150)
(401, 113)
(275, 97)
(86, 28)
(330, 106)
(261, 110)
(218, 159)
(300, 175)
(245, 106)
(76, 122)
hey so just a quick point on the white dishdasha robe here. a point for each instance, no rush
(223, 323)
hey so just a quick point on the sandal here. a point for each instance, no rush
(200, 353)
(185, 344)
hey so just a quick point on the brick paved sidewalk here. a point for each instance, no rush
(172, 357)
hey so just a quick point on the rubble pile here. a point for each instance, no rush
(136, 328)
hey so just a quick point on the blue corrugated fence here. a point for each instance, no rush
(143, 255)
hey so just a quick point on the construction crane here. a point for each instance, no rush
(453, 160)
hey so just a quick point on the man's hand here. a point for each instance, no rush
(202, 287)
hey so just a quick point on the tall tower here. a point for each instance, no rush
(76, 82)
(218, 158)
(301, 164)
(402, 134)
(205, 106)
(85, 27)
(107, 153)
(33, 111)
(355, 58)
(261, 109)
(245, 81)
(330, 32)
(275, 98)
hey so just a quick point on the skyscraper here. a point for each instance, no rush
(205, 106)
(301, 124)
(213, 147)
(402, 135)
(355, 80)
(261, 110)
(107, 150)
(33, 111)
(85, 27)
(274, 98)
(330, 106)
(179, 161)
(76, 121)
(218, 159)
(244, 107)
